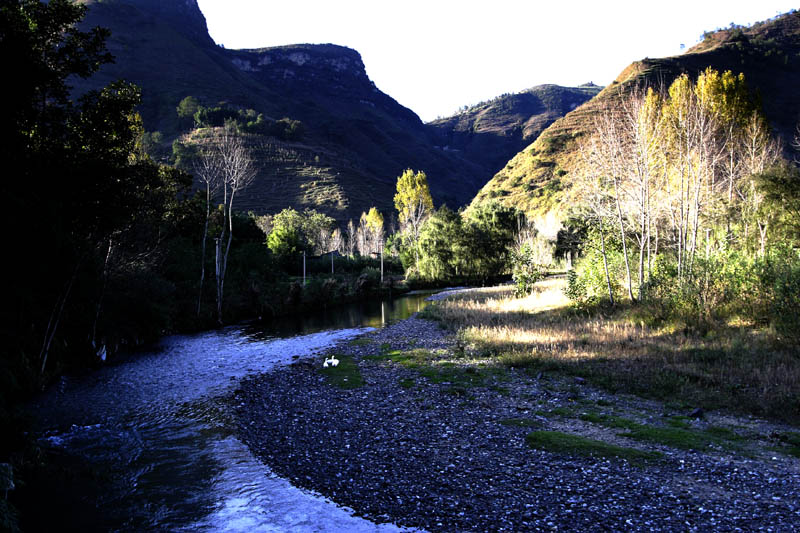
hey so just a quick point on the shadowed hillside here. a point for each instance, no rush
(767, 53)
(356, 140)
(490, 133)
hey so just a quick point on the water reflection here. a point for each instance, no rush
(373, 313)
(151, 445)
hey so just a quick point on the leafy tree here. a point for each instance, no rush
(525, 270)
(441, 246)
(293, 233)
(287, 239)
(371, 229)
(186, 110)
(100, 202)
(414, 203)
(490, 234)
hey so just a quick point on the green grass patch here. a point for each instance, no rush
(345, 376)
(430, 312)
(791, 443)
(410, 358)
(407, 383)
(610, 421)
(566, 443)
(445, 372)
(678, 434)
(360, 341)
(682, 422)
(685, 439)
(521, 422)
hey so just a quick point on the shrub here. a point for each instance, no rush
(525, 271)
(368, 280)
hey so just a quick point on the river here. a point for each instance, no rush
(149, 438)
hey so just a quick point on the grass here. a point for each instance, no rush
(678, 433)
(407, 383)
(345, 375)
(685, 439)
(791, 443)
(360, 341)
(430, 366)
(735, 368)
(567, 443)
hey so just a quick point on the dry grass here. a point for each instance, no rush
(736, 368)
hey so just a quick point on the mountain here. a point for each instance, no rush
(490, 133)
(357, 139)
(767, 53)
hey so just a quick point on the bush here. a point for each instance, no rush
(761, 290)
(525, 271)
(586, 283)
(368, 281)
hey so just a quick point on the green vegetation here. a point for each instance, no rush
(733, 255)
(615, 348)
(407, 383)
(558, 442)
(682, 438)
(345, 375)
(791, 443)
(679, 434)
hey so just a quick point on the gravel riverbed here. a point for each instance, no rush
(442, 456)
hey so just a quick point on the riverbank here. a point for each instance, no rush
(420, 434)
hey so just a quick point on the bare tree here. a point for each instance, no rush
(351, 239)
(612, 147)
(592, 189)
(208, 169)
(237, 172)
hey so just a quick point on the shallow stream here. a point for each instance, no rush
(149, 438)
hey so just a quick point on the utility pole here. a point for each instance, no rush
(304, 267)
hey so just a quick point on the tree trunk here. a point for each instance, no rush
(624, 245)
(99, 306)
(55, 319)
(203, 250)
(605, 265)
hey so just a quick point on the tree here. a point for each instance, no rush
(441, 254)
(413, 203)
(186, 110)
(286, 238)
(104, 202)
(207, 168)
(294, 233)
(237, 172)
(373, 230)
(489, 235)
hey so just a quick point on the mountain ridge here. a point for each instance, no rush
(358, 139)
(768, 53)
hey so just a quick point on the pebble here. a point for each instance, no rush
(427, 457)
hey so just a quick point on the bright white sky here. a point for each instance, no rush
(435, 56)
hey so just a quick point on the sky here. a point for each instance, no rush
(435, 56)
